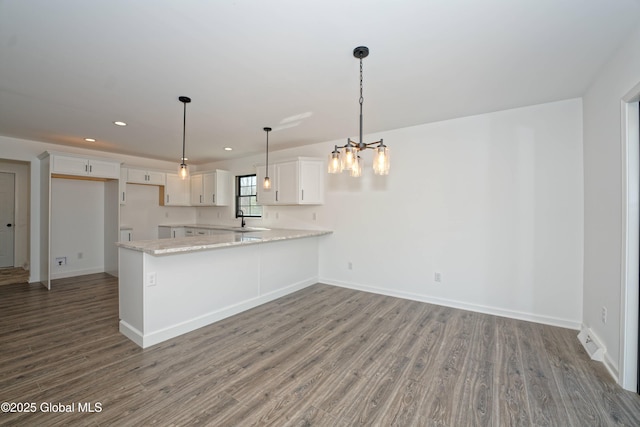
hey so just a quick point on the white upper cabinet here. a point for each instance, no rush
(293, 182)
(83, 166)
(197, 196)
(312, 176)
(176, 190)
(211, 188)
(287, 182)
(123, 186)
(141, 176)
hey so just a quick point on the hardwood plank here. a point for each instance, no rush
(544, 396)
(321, 356)
(511, 405)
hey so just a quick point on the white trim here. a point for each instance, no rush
(74, 273)
(627, 374)
(132, 333)
(156, 337)
(520, 315)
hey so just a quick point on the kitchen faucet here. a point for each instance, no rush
(241, 215)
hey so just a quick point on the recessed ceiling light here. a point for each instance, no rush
(228, 148)
(90, 140)
(119, 123)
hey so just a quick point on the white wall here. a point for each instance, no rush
(77, 226)
(143, 212)
(603, 177)
(493, 202)
(22, 192)
(28, 151)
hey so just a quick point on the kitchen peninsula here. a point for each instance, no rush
(168, 287)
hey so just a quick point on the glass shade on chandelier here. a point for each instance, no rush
(356, 167)
(335, 163)
(381, 160)
(347, 157)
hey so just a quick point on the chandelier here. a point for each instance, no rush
(347, 157)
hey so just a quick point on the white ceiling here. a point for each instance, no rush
(69, 68)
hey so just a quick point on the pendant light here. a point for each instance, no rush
(266, 184)
(346, 157)
(183, 169)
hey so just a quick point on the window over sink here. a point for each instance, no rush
(246, 199)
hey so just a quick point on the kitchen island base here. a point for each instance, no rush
(162, 297)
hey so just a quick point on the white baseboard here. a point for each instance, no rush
(145, 340)
(531, 317)
(74, 273)
(132, 333)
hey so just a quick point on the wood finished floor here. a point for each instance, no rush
(322, 356)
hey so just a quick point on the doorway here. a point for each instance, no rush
(7, 218)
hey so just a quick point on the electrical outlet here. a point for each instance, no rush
(61, 260)
(437, 277)
(151, 279)
(604, 314)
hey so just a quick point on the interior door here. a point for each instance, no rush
(7, 218)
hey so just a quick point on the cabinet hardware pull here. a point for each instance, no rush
(123, 193)
(90, 168)
(86, 168)
(201, 198)
(213, 199)
(276, 195)
(167, 198)
(302, 194)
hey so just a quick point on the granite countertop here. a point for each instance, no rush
(217, 241)
(216, 227)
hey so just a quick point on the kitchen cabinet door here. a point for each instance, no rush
(287, 183)
(311, 173)
(122, 185)
(211, 188)
(80, 166)
(197, 198)
(176, 191)
(126, 235)
(142, 176)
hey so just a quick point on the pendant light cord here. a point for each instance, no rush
(184, 129)
(361, 99)
(267, 171)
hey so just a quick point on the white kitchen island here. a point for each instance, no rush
(169, 287)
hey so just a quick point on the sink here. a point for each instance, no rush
(243, 238)
(247, 229)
